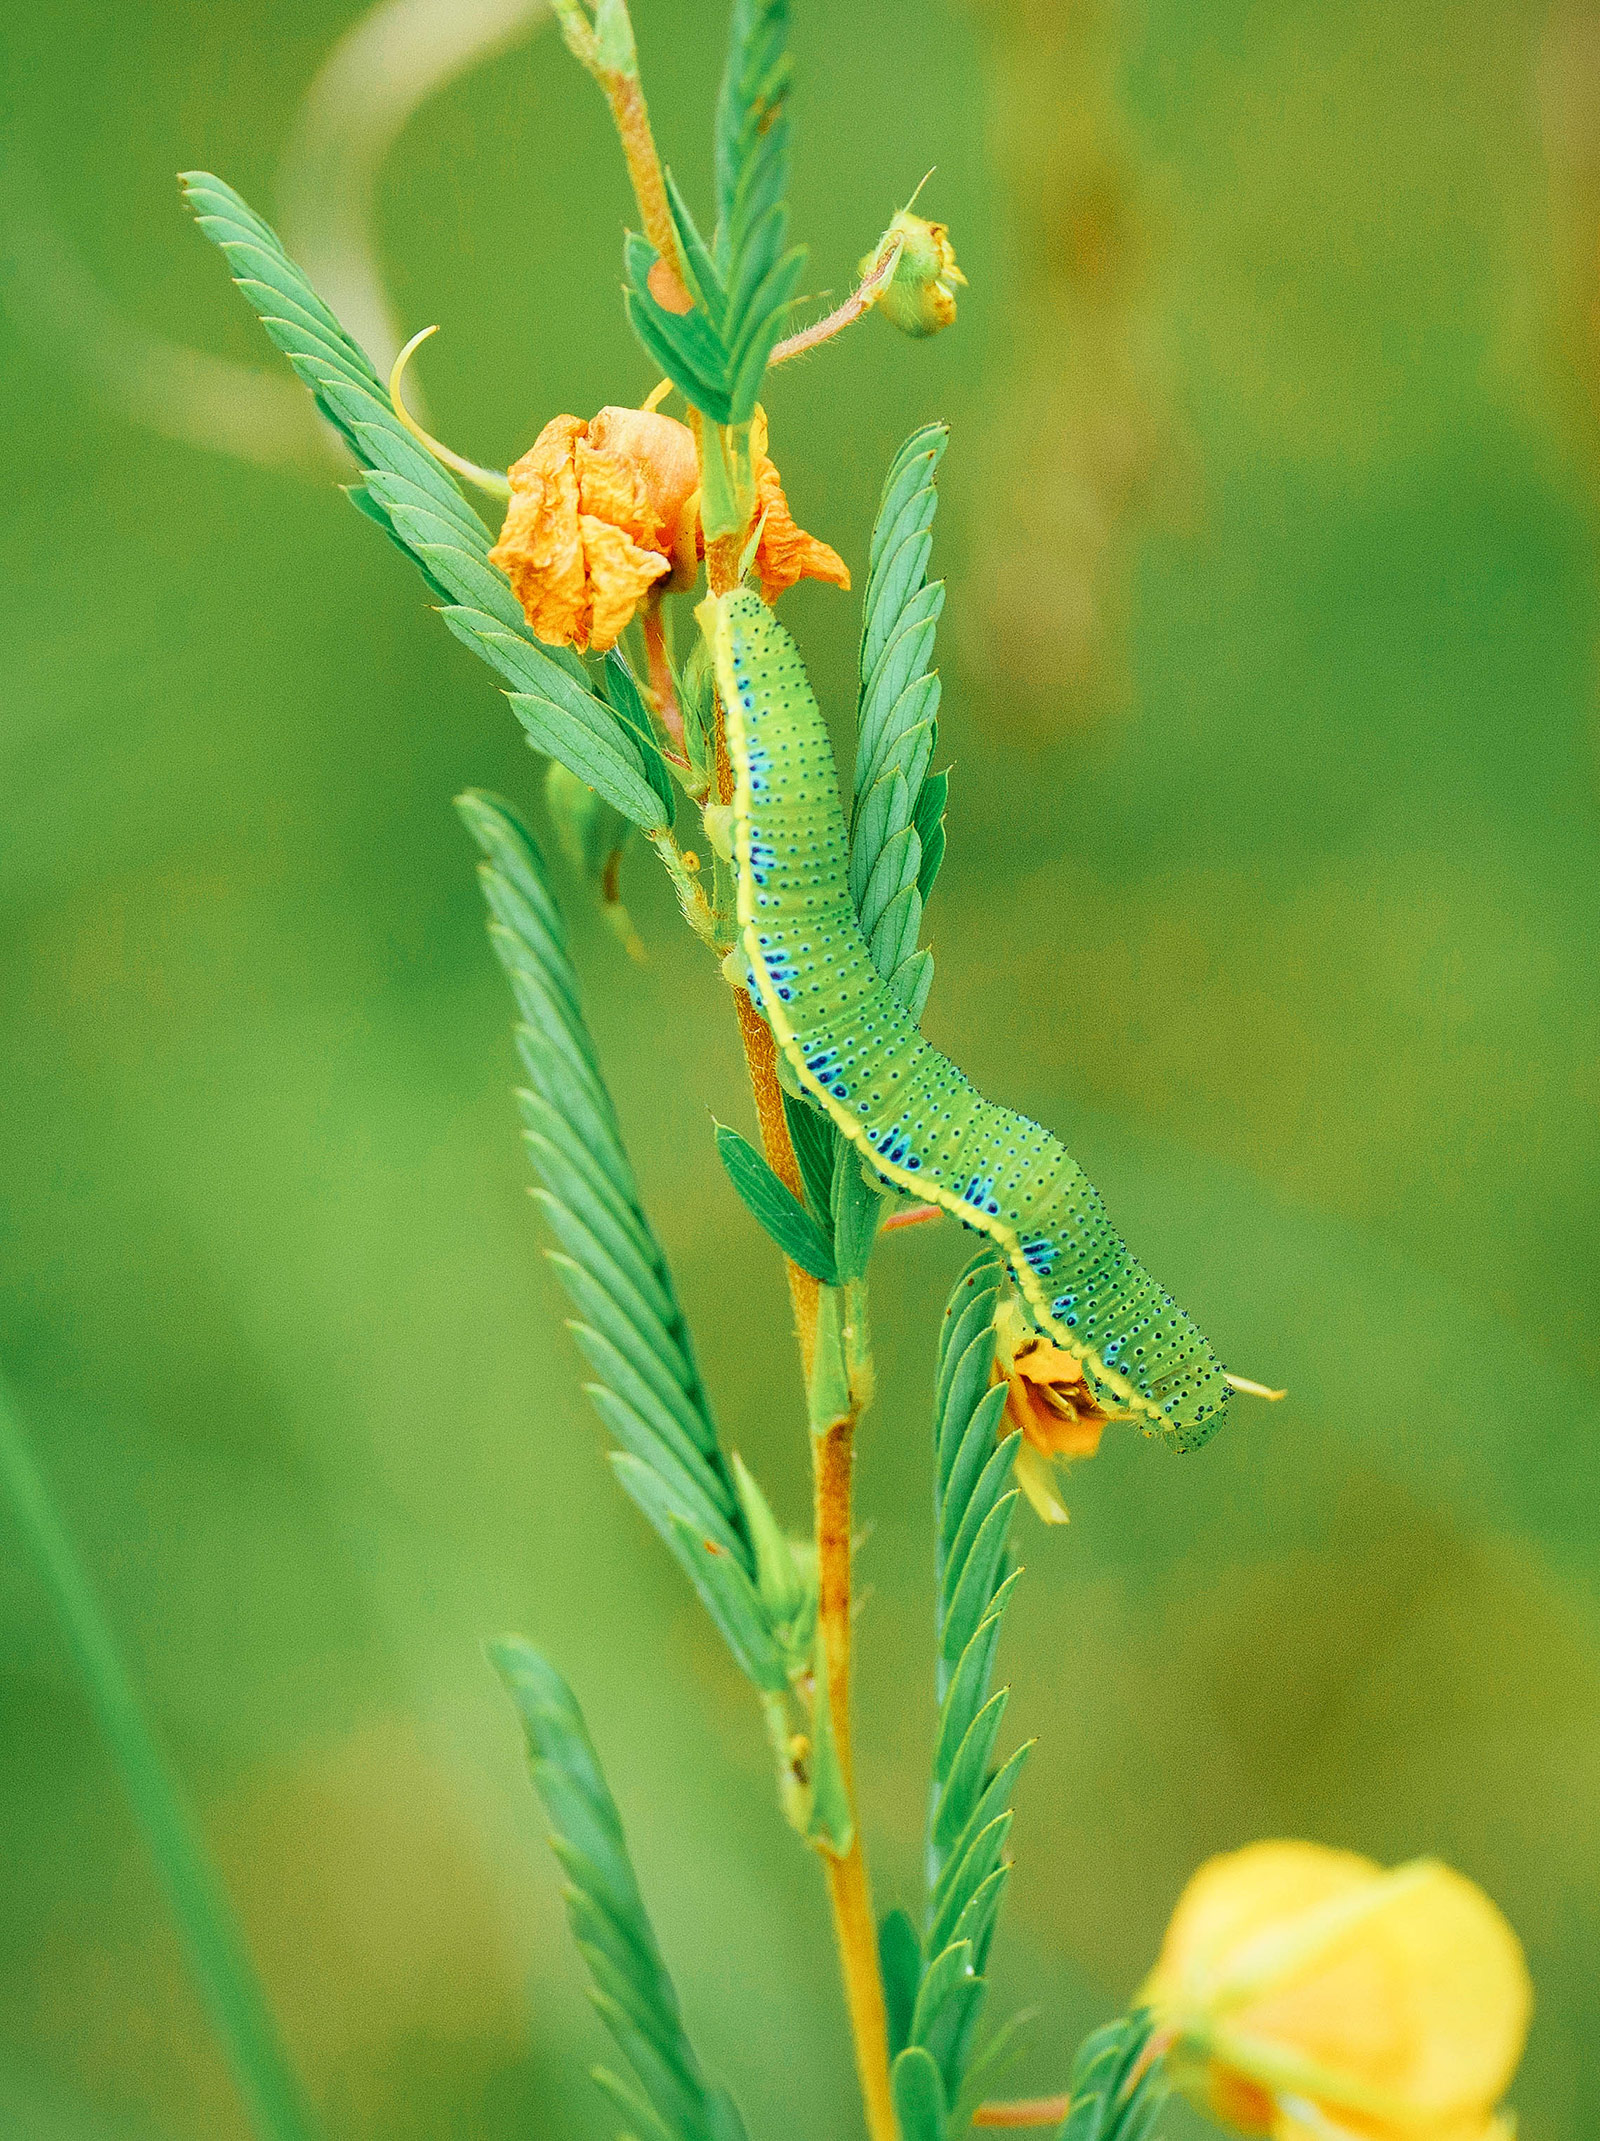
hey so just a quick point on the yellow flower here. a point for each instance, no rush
(1313, 1997)
(602, 512)
(920, 296)
(1049, 1407)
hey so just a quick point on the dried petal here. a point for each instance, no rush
(619, 572)
(784, 551)
(599, 512)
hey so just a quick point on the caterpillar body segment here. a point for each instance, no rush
(915, 1118)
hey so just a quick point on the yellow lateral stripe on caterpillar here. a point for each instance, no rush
(914, 1117)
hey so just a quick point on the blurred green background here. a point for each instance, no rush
(1270, 660)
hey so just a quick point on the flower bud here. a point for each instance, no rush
(920, 296)
(1314, 1997)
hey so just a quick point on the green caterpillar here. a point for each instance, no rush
(914, 1117)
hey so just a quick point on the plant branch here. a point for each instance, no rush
(849, 1890)
(860, 298)
(606, 49)
(833, 1459)
(1024, 2111)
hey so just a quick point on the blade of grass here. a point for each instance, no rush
(215, 1946)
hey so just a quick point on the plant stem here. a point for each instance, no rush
(849, 1891)
(228, 1983)
(612, 61)
(1024, 2111)
(833, 1461)
(854, 305)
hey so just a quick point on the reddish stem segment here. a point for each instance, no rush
(852, 308)
(1023, 2111)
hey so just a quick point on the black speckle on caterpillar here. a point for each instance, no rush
(917, 1121)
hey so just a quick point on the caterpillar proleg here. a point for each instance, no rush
(914, 1117)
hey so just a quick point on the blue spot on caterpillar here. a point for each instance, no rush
(914, 1117)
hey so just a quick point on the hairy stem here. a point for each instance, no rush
(611, 59)
(854, 305)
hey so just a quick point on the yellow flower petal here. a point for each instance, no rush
(1393, 2005)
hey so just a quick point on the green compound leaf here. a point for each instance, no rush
(742, 286)
(629, 1324)
(418, 504)
(970, 1808)
(897, 812)
(760, 272)
(1117, 2088)
(630, 1987)
(775, 1208)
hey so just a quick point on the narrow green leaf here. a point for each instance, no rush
(856, 1210)
(646, 2126)
(590, 751)
(885, 811)
(993, 1801)
(724, 1589)
(978, 1913)
(928, 817)
(705, 285)
(919, 2101)
(911, 471)
(986, 1491)
(683, 1482)
(900, 1961)
(991, 2060)
(911, 981)
(976, 1587)
(962, 1786)
(664, 1403)
(964, 1876)
(969, 1387)
(964, 1697)
(583, 1246)
(815, 1142)
(893, 874)
(831, 1824)
(215, 1946)
(894, 937)
(774, 1206)
(778, 1577)
(622, 692)
(950, 1968)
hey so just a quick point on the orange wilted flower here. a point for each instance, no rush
(784, 552)
(599, 513)
(1313, 1997)
(1050, 1406)
(602, 512)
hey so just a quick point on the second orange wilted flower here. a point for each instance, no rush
(603, 511)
